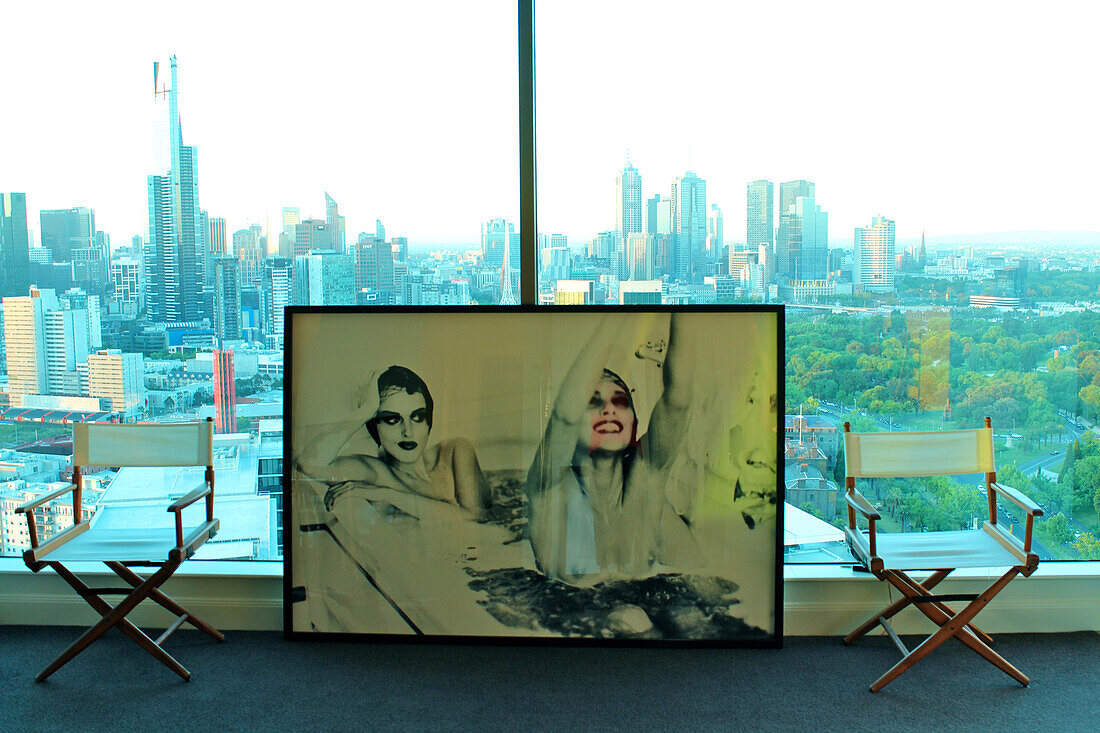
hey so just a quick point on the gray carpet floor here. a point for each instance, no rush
(258, 681)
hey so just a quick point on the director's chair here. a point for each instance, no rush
(112, 538)
(893, 556)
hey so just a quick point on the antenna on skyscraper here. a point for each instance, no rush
(156, 71)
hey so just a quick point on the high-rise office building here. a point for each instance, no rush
(119, 378)
(247, 250)
(715, 232)
(311, 235)
(62, 231)
(790, 190)
(335, 224)
(77, 299)
(760, 215)
(173, 288)
(400, 247)
(689, 226)
(373, 264)
(66, 346)
(873, 264)
(25, 342)
(641, 256)
(225, 392)
(324, 278)
(227, 299)
(126, 283)
(628, 201)
(276, 291)
(658, 215)
(215, 235)
(802, 244)
(603, 245)
(291, 218)
(494, 234)
(15, 261)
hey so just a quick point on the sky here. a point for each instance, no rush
(950, 118)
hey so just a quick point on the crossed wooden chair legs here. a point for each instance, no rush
(952, 624)
(140, 589)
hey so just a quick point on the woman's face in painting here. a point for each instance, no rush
(402, 422)
(611, 419)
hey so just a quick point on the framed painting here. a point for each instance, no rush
(573, 474)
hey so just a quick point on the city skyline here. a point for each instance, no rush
(253, 116)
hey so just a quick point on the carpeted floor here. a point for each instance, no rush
(258, 681)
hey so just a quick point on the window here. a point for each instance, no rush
(911, 189)
(168, 191)
(915, 191)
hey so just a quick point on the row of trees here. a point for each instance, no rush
(1022, 371)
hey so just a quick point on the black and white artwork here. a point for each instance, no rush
(554, 473)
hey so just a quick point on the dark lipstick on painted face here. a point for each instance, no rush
(601, 423)
(406, 444)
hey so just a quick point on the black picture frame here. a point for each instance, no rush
(544, 562)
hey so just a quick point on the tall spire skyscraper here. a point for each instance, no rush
(173, 287)
(335, 224)
(628, 201)
(507, 296)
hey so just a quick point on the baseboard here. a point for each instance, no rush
(819, 602)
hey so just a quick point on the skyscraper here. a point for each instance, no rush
(790, 190)
(715, 232)
(760, 215)
(215, 235)
(173, 290)
(335, 224)
(494, 234)
(225, 392)
(873, 263)
(373, 264)
(246, 248)
(802, 247)
(117, 377)
(227, 299)
(276, 290)
(311, 235)
(689, 226)
(14, 245)
(64, 230)
(25, 341)
(628, 201)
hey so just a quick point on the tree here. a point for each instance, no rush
(1059, 529)
(1067, 464)
(1086, 482)
(1087, 546)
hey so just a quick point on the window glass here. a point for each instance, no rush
(172, 180)
(912, 182)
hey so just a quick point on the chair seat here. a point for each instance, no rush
(122, 544)
(935, 550)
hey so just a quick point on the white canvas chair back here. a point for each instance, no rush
(143, 444)
(946, 453)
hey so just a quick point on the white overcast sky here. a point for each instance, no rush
(952, 117)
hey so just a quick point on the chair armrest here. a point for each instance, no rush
(861, 505)
(190, 497)
(31, 505)
(27, 510)
(177, 507)
(1017, 498)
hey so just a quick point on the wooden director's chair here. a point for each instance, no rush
(893, 556)
(110, 537)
